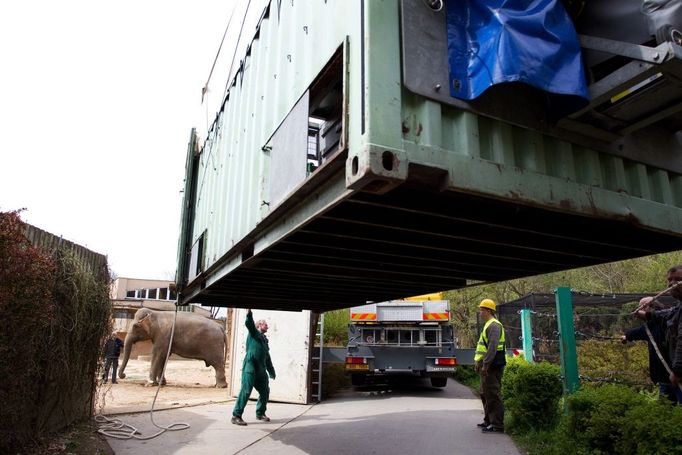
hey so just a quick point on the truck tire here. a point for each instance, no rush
(439, 382)
(357, 379)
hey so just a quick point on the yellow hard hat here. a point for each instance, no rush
(489, 304)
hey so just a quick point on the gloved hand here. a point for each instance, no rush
(272, 376)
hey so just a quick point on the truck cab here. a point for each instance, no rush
(401, 337)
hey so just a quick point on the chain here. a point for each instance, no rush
(598, 337)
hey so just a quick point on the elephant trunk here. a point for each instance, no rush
(127, 347)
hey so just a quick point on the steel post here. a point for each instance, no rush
(527, 335)
(569, 359)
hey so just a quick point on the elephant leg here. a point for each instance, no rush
(154, 370)
(220, 380)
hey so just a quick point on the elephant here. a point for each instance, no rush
(195, 337)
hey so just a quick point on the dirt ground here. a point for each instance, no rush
(189, 383)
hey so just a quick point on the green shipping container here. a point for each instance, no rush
(338, 170)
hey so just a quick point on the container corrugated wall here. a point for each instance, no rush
(289, 51)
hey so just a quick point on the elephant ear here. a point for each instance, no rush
(145, 323)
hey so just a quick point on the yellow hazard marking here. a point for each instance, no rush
(435, 316)
(363, 316)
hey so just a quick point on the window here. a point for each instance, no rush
(152, 293)
(325, 113)
(163, 294)
(432, 336)
(130, 294)
(370, 336)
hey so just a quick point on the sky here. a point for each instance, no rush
(97, 100)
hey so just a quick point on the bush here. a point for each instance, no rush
(55, 316)
(597, 418)
(531, 394)
(641, 435)
(466, 374)
(334, 378)
(27, 307)
(613, 360)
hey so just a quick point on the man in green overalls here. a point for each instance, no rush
(255, 370)
(490, 361)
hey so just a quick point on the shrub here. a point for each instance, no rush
(26, 304)
(55, 315)
(334, 378)
(628, 363)
(531, 394)
(643, 435)
(597, 416)
(466, 374)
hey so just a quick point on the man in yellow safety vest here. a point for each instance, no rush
(490, 361)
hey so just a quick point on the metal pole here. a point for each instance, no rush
(569, 358)
(527, 335)
(319, 376)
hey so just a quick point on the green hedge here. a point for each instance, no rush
(55, 317)
(617, 419)
(531, 394)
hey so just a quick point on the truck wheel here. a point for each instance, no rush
(357, 379)
(439, 382)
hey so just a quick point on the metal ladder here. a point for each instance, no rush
(316, 360)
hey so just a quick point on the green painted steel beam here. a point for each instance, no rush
(569, 358)
(527, 335)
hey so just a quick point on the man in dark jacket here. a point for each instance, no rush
(112, 350)
(255, 370)
(657, 372)
(671, 320)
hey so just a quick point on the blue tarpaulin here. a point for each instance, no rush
(496, 41)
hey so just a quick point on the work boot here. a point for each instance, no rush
(238, 421)
(263, 418)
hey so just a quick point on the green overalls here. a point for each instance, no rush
(257, 365)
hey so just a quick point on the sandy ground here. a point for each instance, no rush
(189, 383)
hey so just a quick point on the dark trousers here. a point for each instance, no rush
(670, 392)
(491, 396)
(108, 363)
(251, 380)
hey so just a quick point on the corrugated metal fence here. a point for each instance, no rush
(45, 241)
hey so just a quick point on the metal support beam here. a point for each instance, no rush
(569, 358)
(527, 335)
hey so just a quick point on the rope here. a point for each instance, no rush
(116, 428)
(658, 352)
(664, 291)
(648, 331)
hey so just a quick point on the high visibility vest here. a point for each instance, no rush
(482, 346)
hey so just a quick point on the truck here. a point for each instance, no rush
(401, 338)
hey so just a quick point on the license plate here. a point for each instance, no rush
(359, 366)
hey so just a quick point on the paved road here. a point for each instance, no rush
(414, 419)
